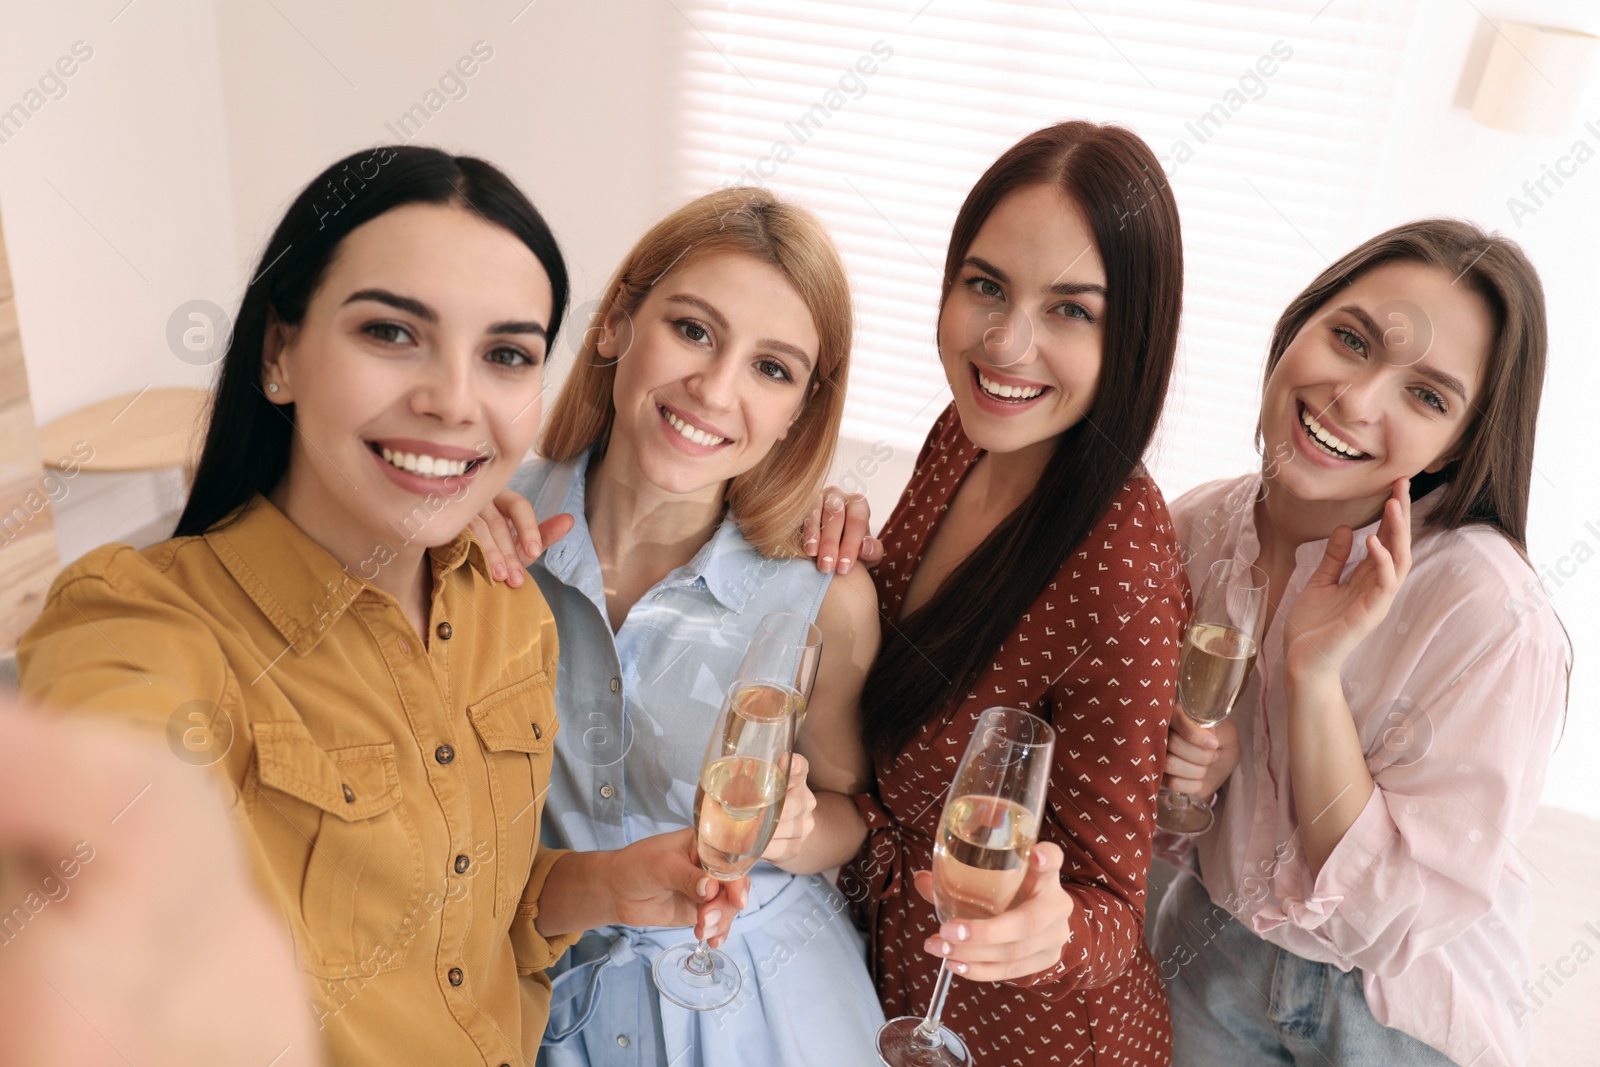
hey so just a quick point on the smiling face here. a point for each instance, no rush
(1020, 333)
(415, 377)
(1378, 384)
(712, 371)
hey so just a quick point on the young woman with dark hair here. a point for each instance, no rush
(1031, 563)
(325, 632)
(1389, 748)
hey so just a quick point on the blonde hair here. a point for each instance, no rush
(769, 500)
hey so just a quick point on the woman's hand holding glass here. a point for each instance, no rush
(1026, 938)
(1199, 759)
(743, 784)
(798, 819)
(991, 880)
(658, 881)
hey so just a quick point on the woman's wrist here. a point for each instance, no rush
(1310, 674)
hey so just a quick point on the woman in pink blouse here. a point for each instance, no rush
(1359, 897)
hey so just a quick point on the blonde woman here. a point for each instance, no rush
(690, 440)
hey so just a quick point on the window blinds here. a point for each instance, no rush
(879, 115)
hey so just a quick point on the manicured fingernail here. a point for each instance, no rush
(867, 544)
(959, 968)
(531, 548)
(704, 888)
(712, 918)
(827, 559)
(844, 564)
(833, 503)
(500, 572)
(961, 932)
(811, 542)
(938, 947)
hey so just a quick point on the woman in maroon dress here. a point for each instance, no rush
(1031, 563)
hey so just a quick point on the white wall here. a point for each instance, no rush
(116, 196)
(1445, 163)
(566, 105)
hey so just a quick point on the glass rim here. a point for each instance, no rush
(1221, 570)
(1044, 732)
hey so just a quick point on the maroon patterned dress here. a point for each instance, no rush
(1097, 655)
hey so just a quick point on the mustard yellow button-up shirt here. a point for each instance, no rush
(389, 792)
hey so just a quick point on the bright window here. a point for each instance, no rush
(881, 115)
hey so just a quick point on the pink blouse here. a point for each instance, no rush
(1457, 696)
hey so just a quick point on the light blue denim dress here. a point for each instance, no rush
(636, 710)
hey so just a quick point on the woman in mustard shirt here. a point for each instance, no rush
(323, 631)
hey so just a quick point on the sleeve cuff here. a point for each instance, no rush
(533, 951)
(1346, 871)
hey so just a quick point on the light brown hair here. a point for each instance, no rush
(1489, 479)
(769, 500)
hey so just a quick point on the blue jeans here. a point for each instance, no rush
(1239, 999)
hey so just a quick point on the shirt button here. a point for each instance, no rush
(622, 1039)
(444, 754)
(456, 977)
(606, 791)
(462, 863)
(538, 731)
(349, 794)
(405, 649)
(445, 631)
(616, 683)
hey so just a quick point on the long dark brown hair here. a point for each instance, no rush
(248, 437)
(1489, 478)
(1115, 179)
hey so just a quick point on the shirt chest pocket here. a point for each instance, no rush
(516, 727)
(333, 820)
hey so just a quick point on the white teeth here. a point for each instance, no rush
(1328, 440)
(426, 466)
(1008, 392)
(698, 436)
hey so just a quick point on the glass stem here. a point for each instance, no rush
(700, 963)
(928, 1032)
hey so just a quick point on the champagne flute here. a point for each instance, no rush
(743, 779)
(986, 834)
(1218, 648)
(786, 648)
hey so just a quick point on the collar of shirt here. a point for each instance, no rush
(1241, 502)
(297, 584)
(725, 566)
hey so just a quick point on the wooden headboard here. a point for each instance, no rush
(28, 557)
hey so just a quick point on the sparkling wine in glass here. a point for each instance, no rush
(737, 804)
(786, 648)
(1220, 645)
(986, 834)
